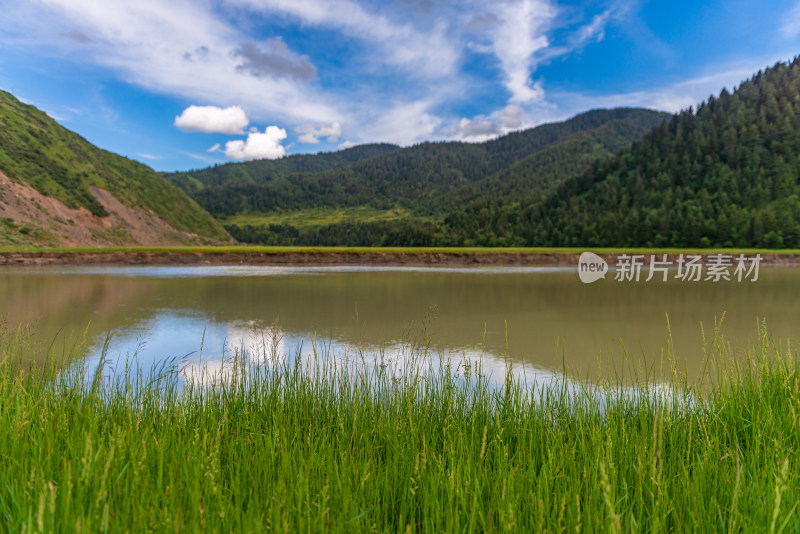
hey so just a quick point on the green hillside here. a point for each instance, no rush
(553, 164)
(725, 174)
(265, 170)
(359, 203)
(58, 163)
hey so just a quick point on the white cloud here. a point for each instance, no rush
(519, 35)
(347, 144)
(181, 47)
(481, 128)
(211, 119)
(403, 124)
(476, 128)
(430, 53)
(591, 32)
(595, 30)
(265, 145)
(186, 48)
(312, 133)
(191, 49)
(215, 147)
(510, 118)
(400, 72)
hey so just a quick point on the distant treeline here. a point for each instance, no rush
(403, 233)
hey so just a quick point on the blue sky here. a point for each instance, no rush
(186, 84)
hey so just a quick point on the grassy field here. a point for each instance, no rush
(413, 250)
(293, 451)
(306, 218)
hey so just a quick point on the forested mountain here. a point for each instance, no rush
(265, 170)
(549, 166)
(57, 188)
(426, 181)
(725, 174)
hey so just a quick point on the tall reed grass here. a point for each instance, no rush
(279, 448)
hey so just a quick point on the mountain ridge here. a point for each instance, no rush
(425, 181)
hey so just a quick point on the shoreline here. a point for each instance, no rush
(346, 257)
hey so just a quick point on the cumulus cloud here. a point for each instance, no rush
(312, 133)
(212, 119)
(404, 124)
(274, 60)
(510, 118)
(347, 144)
(482, 127)
(258, 145)
(469, 128)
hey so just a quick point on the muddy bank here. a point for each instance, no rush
(211, 257)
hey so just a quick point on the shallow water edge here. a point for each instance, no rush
(396, 257)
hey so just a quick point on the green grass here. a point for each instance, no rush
(413, 250)
(285, 450)
(308, 218)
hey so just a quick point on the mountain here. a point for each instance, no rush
(381, 194)
(56, 188)
(725, 174)
(265, 170)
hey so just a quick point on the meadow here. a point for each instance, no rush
(308, 446)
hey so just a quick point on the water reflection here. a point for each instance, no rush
(543, 320)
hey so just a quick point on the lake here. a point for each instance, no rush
(543, 320)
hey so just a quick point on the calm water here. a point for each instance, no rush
(544, 318)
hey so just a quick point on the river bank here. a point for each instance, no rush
(366, 257)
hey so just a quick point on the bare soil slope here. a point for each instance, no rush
(27, 217)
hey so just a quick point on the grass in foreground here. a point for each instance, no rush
(285, 450)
